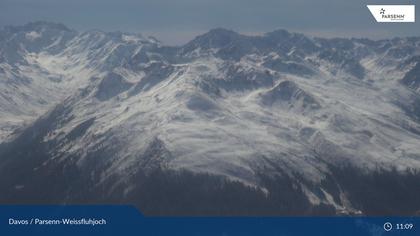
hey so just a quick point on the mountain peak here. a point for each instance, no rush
(215, 38)
(282, 34)
(222, 31)
(279, 33)
(37, 25)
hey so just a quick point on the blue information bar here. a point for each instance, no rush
(127, 220)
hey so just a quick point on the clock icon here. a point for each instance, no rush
(387, 226)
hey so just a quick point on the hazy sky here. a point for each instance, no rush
(176, 21)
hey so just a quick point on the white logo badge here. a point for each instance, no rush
(393, 13)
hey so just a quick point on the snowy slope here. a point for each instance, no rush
(225, 104)
(42, 63)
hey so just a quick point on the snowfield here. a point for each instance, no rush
(224, 104)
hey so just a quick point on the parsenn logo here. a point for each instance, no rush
(382, 11)
(393, 13)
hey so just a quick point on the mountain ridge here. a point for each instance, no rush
(276, 111)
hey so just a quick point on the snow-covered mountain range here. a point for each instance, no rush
(295, 124)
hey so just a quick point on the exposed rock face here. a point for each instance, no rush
(227, 124)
